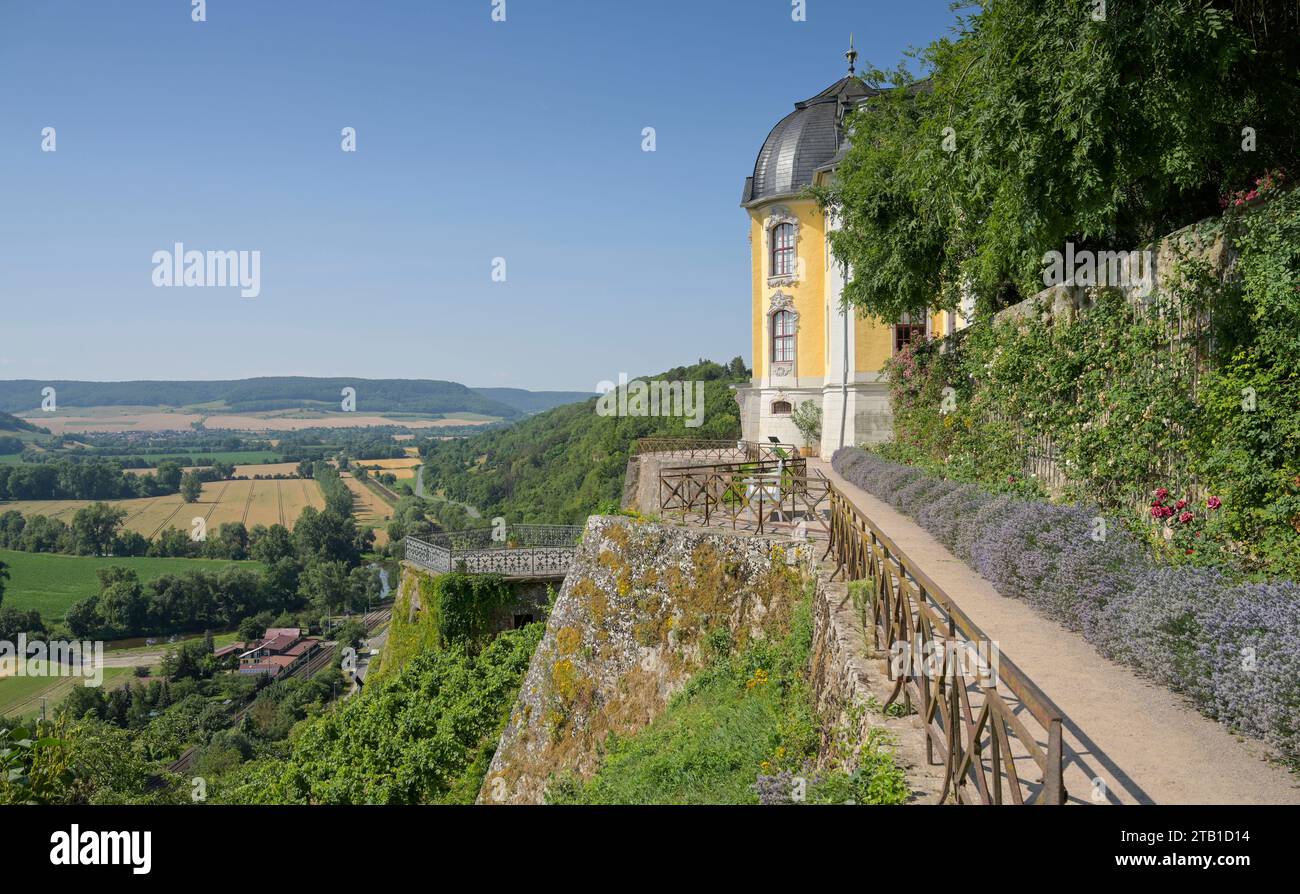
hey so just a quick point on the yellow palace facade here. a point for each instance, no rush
(805, 345)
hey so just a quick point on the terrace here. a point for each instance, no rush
(524, 552)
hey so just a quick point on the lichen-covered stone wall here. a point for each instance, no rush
(627, 631)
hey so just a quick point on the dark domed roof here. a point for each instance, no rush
(805, 140)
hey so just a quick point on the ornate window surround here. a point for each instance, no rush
(785, 368)
(779, 214)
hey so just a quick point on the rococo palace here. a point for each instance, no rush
(806, 346)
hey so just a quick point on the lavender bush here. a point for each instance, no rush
(1234, 650)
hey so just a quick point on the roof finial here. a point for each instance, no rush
(851, 55)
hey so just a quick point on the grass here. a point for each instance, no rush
(21, 696)
(234, 457)
(50, 583)
(747, 715)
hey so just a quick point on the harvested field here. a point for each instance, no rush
(155, 419)
(369, 509)
(266, 469)
(251, 502)
(402, 468)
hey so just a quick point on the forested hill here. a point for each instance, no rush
(560, 466)
(532, 401)
(270, 393)
(13, 423)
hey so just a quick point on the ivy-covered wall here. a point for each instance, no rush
(432, 611)
(1185, 408)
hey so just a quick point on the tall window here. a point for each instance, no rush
(906, 332)
(782, 336)
(782, 250)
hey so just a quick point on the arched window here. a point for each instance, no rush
(782, 250)
(783, 336)
(781, 408)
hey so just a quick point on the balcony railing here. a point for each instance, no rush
(514, 551)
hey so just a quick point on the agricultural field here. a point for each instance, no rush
(157, 419)
(252, 502)
(368, 508)
(49, 583)
(265, 469)
(401, 468)
(21, 696)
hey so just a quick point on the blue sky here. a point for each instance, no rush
(475, 140)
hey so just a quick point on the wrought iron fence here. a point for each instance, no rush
(516, 550)
(979, 724)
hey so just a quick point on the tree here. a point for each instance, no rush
(168, 474)
(95, 528)
(14, 622)
(1023, 138)
(808, 419)
(191, 487)
(4, 576)
(231, 542)
(327, 586)
(270, 545)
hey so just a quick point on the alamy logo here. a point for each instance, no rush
(1130, 270)
(656, 398)
(56, 658)
(77, 848)
(219, 269)
(945, 659)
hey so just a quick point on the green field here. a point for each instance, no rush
(234, 457)
(50, 583)
(21, 696)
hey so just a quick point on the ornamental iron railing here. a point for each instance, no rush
(511, 550)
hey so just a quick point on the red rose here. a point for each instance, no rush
(1213, 502)
(1185, 517)
(1180, 504)
(1161, 493)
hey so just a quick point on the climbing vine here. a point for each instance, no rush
(1193, 395)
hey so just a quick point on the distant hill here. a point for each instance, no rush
(560, 466)
(13, 423)
(270, 393)
(533, 401)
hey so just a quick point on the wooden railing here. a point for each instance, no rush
(997, 734)
(987, 727)
(761, 497)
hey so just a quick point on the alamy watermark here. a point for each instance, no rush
(946, 659)
(1129, 270)
(219, 269)
(654, 398)
(56, 658)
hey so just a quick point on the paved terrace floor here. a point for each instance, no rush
(1148, 745)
